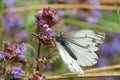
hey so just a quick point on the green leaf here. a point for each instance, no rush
(30, 52)
(82, 24)
(54, 57)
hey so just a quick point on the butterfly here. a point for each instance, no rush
(77, 48)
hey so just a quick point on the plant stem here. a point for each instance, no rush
(112, 67)
(87, 75)
(39, 46)
(62, 6)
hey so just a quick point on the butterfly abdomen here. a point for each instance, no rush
(61, 40)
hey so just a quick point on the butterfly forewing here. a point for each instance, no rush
(83, 44)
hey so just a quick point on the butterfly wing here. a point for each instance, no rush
(69, 61)
(83, 44)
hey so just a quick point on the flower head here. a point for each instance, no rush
(40, 12)
(107, 48)
(61, 13)
(21, 51)
(2, 53)
(41, 22)
(48, 67)
(49, 32)
(92, 20)
(94, 2)
(8, 21)
(16, 72)
(9, 3)
(82, 15)
(96, 13)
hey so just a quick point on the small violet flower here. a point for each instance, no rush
(16, 72)
(41, 22)
(9, 3)
(102, 61)
(48, 67)
(18, 22)
(2, 53)
(82, 15)
(71, 28)
(107, 48)
(49, 32)
(116, 44)
(96, 13)
(20, 51)
(8, 21)
(92, 20)
(40, 12)
(61, 13)
(94, 2)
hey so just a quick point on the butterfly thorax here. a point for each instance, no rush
(62, 41)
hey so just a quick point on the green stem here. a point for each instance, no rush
(118, 13)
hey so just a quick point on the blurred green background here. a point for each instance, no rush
(18, 23)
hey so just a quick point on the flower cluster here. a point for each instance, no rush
(45, 20)
(12, 51)
(2, 53)
(16, 72)
(37, 76)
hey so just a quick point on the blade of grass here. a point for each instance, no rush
(118, 13)
(83, 24)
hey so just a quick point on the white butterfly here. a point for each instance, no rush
(77, 48)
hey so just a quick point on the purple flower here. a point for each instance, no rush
(41, 22)
(116, 44)
(40, 12)
(8, 21)
(113, 35)
(16, 72)
(2, 53)
(82, 15)
(107, 48)
(48, 68)
(49, 32)
(106, 78)
(70, 28)
(92, 20)
(21, 35)
(96, 13)
(20, 49)
(9, 3)
(94, 2)
(102, 61)
(61, 13)
(19, 23)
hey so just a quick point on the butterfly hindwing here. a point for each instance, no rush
(69, 61)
